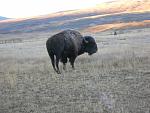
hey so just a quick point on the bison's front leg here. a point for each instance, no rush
(72, 59)
(64, 61)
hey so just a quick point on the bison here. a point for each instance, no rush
(69, 44)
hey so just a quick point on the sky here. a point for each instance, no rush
(30, 8)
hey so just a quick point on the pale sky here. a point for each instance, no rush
(28, 8)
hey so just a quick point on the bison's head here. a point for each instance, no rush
(90, 45)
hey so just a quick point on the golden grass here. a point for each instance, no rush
(99, 28)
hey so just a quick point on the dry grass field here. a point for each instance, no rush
(114, 80)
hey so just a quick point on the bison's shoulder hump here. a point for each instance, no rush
(72, 34)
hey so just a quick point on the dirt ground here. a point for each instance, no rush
(114, 80)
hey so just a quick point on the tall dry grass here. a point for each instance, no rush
(114, 80)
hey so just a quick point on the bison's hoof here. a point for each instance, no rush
(58, 72)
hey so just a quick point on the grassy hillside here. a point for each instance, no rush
(119, 26)
(108, 13)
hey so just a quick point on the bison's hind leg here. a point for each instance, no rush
(57, 63)
(53, 61)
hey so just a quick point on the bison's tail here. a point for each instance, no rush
(51, 55)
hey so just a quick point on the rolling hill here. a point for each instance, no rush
(110, 15)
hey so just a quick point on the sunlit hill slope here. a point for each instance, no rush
(119, 14)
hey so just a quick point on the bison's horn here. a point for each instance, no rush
(85, 40)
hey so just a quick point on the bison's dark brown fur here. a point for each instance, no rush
(69, 44)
